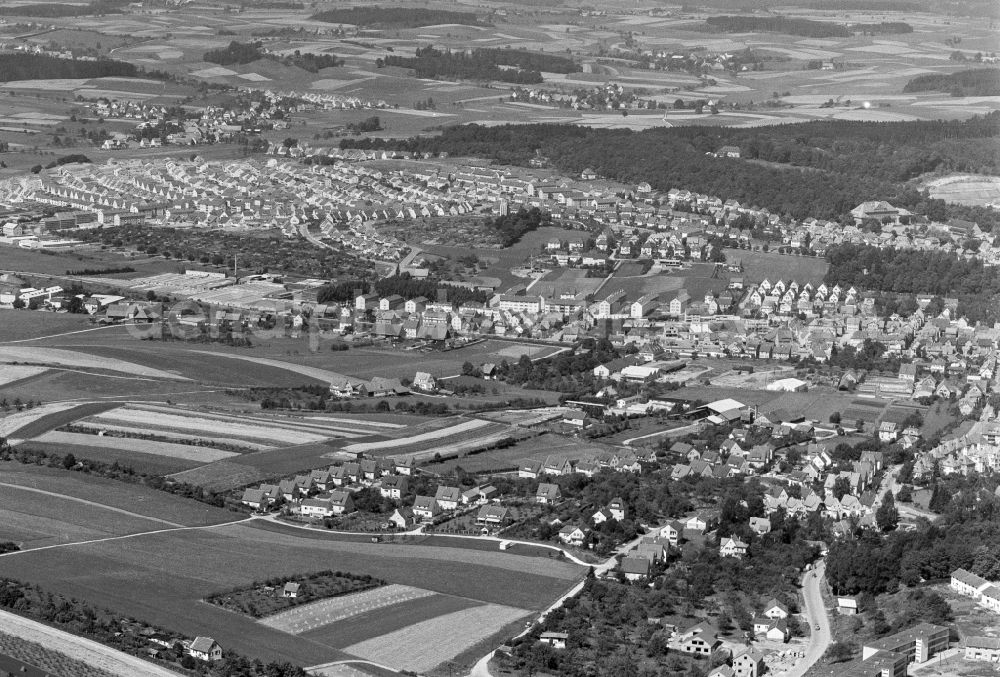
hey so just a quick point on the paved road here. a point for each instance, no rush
(815, 612)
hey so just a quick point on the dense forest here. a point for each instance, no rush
(504, 65)
(858, 160)
(396, 17)
(53, 10)
(236, 53)
(976, 82)
(775, 24)
(40, 66)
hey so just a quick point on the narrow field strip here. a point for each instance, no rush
(426, 645)
(285, 424)
(191, 422)
(186, 452)
(351, 421)
(464, 427)
(14, 372)
(92, 425)
(326, 611)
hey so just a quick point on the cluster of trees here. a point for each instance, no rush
(236, 53)
(512, 227)
(105, 626)
(309, 61)
(396, 17)
(370, 124)
(776, 24)
(566, 372)
(18, 66)
(975, 82)
(867, 357)
(860, 160)
(481, 64)
(405, 285)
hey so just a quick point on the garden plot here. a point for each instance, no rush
(186, 452)
(324, 612)
(196, 424)
(423, 646)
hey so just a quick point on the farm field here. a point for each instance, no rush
(10, 373)
(21, 325)
(78, 360)
(149, 464)
(203, 562)
(302, 619)
(41, 419)
(417, 647)
(379, 622)
(186, 452)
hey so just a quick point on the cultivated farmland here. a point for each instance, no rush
(324, 612)
(185, 452)
(203, 561)
(419, 647)
(78, 360)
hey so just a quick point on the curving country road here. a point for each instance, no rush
(815, 613)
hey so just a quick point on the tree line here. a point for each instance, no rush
(512, 227)
(404, 285)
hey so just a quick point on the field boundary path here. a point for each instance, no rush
(80, 648)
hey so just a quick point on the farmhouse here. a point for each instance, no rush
(291, 590)
(205, 649)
